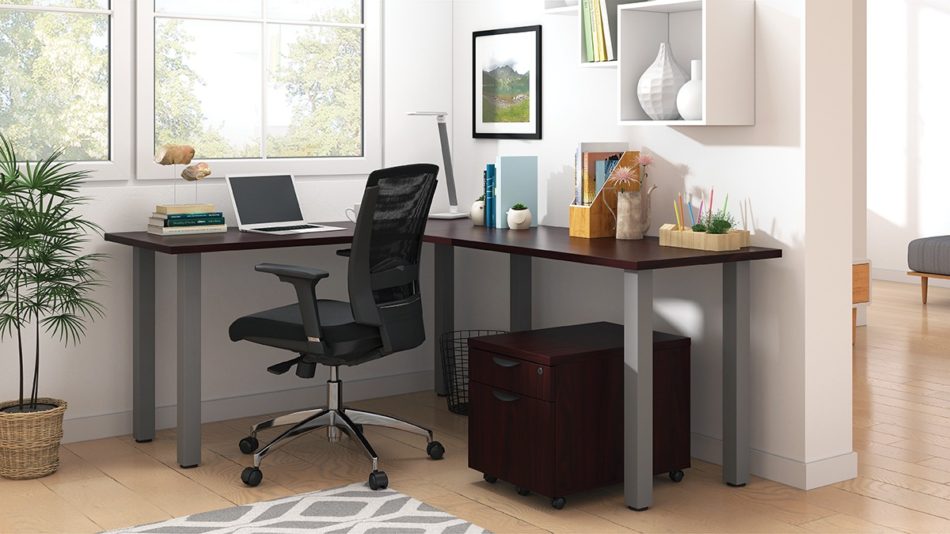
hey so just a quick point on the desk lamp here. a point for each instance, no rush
(447, 159)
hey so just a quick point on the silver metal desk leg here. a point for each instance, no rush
(520, 292)
(189, 360)
(143, 344)
(735, 373)
(638, 389)
(444, 307)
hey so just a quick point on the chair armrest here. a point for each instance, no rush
(293, 271)
(304, 280)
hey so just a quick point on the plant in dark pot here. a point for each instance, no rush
(45, 285)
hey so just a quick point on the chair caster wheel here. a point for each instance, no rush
(378, 480)
(558, 503)
(248, 445)
(252, 476)
(676, 476)
(435, 450)
(523, 492)
(490, 479)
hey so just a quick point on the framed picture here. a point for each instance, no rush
(506, 78)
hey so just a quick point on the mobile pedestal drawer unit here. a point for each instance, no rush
(546, 408)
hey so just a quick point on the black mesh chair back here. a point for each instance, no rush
(383, 276)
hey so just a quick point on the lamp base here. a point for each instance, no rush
(448, 215)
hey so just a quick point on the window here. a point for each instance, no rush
(58, 83)
(260, 85)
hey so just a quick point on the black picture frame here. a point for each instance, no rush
(482, 43)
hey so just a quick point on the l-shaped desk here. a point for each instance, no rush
(638, 259)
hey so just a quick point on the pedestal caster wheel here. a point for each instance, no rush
(378, 480)
(490, 479)
(558, 503)
(676, 476)
(523, 492)
(435, 450)
(252, 476)
(248, 445)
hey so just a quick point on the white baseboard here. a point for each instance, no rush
(891, 275)
(802, 475)
(288, 400)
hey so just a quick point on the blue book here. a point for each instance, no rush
(490, 196)
(600, 175)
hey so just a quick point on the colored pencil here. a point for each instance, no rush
(676, 211)
(725, 206)
(689, 204)
(682, 213)
(712, 194)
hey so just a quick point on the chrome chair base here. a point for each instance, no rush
(336, 419)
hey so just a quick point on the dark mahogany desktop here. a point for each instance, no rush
(638, 259)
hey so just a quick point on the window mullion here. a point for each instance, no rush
(263, 144)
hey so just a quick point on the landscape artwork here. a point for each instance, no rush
(507, 83)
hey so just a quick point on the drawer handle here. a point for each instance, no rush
(504, 397)
(502, 362)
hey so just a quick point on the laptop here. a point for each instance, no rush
(268, 204)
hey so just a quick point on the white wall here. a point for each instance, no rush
(95, 378)
(762, 165)
(908, 129)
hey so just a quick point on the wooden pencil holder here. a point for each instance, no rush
(671, 236)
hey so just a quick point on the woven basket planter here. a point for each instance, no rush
(29, 442)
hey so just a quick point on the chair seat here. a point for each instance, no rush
(338, 328)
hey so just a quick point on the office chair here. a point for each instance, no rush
(383, 316)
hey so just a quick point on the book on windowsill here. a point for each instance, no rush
(187, 230)
(176, 209)
(178, 216)
(187, 221)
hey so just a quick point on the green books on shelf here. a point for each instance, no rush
(587, 30)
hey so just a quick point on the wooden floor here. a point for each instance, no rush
(901, 432)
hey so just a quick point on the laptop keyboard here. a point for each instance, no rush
(283, 228)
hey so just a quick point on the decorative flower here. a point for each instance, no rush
(625, 178)
(646, 159)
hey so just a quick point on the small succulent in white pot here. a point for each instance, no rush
(477, 213)
(519, 217)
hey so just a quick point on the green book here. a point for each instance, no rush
(587, 29)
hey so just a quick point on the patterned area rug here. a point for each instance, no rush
(353, 508)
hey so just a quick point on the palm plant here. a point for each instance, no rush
(45, 278)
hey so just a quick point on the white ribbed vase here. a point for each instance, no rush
(660, 84)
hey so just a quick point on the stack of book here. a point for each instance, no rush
(184, 219)
(597, 20)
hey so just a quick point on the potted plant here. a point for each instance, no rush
(45, 286)
(478, 211)
(519, 217)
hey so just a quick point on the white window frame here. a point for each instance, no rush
(372, 106)
(121, 68)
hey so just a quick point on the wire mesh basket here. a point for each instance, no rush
(455, 366)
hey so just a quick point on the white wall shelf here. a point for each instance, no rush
(719, 32)
(561, 7)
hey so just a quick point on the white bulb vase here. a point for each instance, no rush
(519, 219)
(689, 101)
(659, 85)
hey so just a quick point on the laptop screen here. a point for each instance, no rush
(265, 199)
